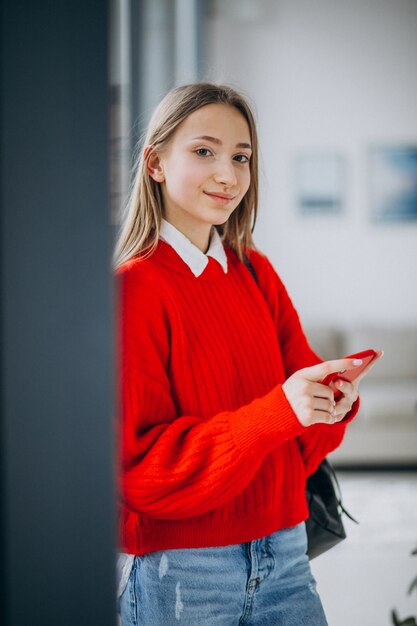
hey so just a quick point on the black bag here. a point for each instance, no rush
(324, 525)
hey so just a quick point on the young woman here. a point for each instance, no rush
(222, 414)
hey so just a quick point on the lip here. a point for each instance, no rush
(220, 197)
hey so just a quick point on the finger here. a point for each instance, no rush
(343, 386)
(324, 404)
(344, 405)
(321, 391)
(316, 373)
(324, 417)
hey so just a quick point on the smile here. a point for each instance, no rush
(221, 198)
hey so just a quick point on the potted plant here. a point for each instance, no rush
(408, 621)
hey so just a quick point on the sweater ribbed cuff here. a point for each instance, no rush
(265, 423)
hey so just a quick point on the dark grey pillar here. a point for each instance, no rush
(57, 509)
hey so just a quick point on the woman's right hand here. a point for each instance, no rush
(312, 402)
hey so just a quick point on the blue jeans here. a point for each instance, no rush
(265, 582)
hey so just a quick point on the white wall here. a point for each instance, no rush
(335, 75)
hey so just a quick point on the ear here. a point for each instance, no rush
(153, 164)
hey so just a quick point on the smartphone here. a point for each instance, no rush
(349, 375)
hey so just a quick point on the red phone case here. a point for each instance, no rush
(350, 375)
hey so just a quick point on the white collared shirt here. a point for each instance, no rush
(196, 260)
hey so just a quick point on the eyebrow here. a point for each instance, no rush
(219, 143)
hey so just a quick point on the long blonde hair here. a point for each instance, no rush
(141, 222)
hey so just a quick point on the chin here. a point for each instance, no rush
(220, 217)
(220, 221)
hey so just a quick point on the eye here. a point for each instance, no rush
(203, 152)
(242, 158)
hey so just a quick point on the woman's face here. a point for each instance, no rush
(204, 170)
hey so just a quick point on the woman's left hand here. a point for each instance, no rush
(349, 391)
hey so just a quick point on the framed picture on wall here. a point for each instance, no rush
(320, 184)
(394, 183)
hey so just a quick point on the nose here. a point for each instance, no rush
(225, 173)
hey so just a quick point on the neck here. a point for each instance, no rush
(202, 242)
(199, 236)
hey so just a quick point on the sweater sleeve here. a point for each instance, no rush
(176, 466)
(316, 441)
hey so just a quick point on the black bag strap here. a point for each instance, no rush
(250, 267)
(338, 491)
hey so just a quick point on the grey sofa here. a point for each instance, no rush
(385, 431)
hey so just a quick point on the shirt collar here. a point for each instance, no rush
(196, 260)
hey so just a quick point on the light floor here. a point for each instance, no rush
(362, 579)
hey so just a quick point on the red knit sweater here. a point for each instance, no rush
(211, 451)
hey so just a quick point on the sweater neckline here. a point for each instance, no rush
(167, 256)
(195, 259)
